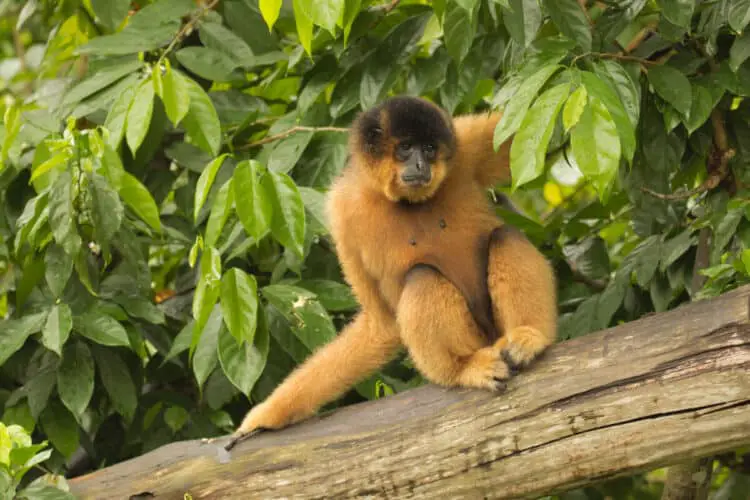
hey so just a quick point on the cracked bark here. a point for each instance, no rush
(669, 388)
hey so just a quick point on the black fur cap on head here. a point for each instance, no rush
(406, 117)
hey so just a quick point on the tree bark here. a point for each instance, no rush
(669, 388)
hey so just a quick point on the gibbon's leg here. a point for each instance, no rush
(522, 288)
(442, 337)
(362, 347)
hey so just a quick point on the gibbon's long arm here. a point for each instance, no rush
(475, 153)
(362, 347)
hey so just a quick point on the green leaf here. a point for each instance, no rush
(61, 214)
(205, 357)
(75, 378)
(611, 299)
(676, 247)
(217, 37)
(645, 260)
(597, 88)
(740, 51)
(201, 122)
(701, 108)
(101, 328)
(57, 328)
(724, 231)
(139, 115)
(42, 379)
(458, 31)
(516, 109)
(254, 202)
(288, 216)
(574, 107)
(106, 76)
(205, 181)
(220, 211)
(570, 19)
(117, 381)
(117, 116)
(16, 331)
(522, 20)
(207, 63)
(529, 147)
(288, 151)
(678, 12)
(61, 428)
(672, 86)
(596, 146)
(239, 304)
(334, 296)
(138, 306)
(139, 199)
(49, 165)
(589, 257)
(106, 209)
(58, 266)
(304, 25)
(175, 96)
(270, 9)
(111, 12)
(310, 322)
(623, 83)
(739, 14)
(244, 362)
(324, 13)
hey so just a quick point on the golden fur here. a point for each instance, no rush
(427, 309)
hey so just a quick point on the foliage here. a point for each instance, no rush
(17, 456)
(164, 257)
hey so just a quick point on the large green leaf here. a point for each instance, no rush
(61, 428)
(239, 304)
(139, 199)
(175, 96)
(139, 115)
(324, 13)
(529, 147)
(207, 63)
(309, 321)
(673, 86)
(458, 30)
(570, 19)
(205, 181)
(57, 328)
(117, 116)
(111, 12)
(201, 122)
(678, 12)
(205, 357)
(254, 203)
(244, 362)
(16, 331)
(58, 266)
(596, 146)
(101, 328)
(516, 109)
(217, 37)
(106, 209)
(522, 20)
(112, 72)
(270, 10)
(220, 212)
(288, 216)
(62, 214)
(75, 377)
(117, 381)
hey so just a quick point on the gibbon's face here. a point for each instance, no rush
(407, 143)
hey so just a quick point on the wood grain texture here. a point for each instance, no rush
(660, 390)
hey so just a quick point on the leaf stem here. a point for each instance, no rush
(290, 131)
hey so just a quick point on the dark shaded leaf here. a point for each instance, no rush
(101, 328)
(60, 427)
(75, 377)
(673, 86)
(571, 21)
(117, 381)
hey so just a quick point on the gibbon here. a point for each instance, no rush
(433, 267)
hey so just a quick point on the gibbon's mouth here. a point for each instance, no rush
(416, 180)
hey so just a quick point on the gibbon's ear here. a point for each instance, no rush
(369, 133)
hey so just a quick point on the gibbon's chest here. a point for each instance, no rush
(449, 234)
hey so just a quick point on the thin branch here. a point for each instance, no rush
(390, 6)
(186, 29)
(288, 132)
(619, 57)
(640, 37)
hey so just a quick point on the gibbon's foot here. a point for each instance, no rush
(523, 345)
(486, 369)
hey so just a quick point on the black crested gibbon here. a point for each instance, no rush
(432, 266)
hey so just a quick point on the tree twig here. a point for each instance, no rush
(718, 164)
(290, 131)
(186, 29)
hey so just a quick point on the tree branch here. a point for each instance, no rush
(665, 389)
(186, 29)
(290, 131)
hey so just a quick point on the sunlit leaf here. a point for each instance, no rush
(205, 181)
(254, 203)
(57, 328)
(139, 115)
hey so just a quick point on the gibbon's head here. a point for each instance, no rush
(407, 144)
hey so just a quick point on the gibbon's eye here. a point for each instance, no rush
(429, 151)
(403, 150)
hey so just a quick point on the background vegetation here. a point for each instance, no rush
(164, 261)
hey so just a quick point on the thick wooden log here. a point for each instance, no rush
(660, 390)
